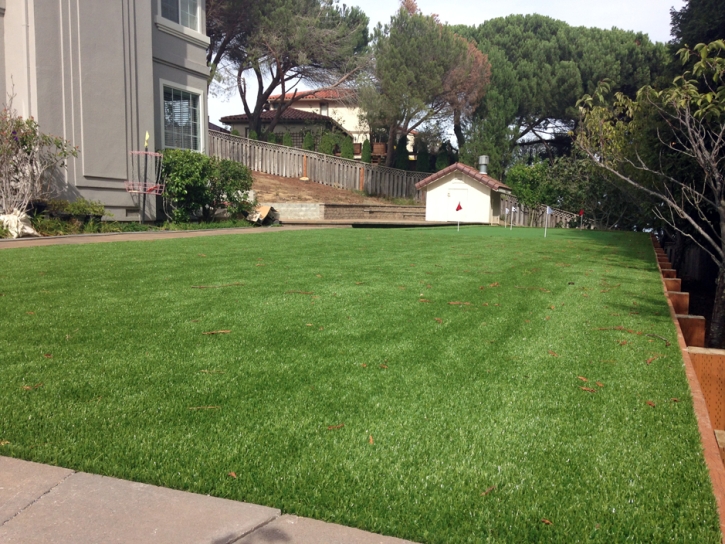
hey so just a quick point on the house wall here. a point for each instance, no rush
(346, 116)
(89, 71)
(444, 195)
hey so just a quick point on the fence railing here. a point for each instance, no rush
(291, 162)
(533, 217)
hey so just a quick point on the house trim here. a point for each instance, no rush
(180, 31)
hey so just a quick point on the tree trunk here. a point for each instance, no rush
(457, 130)
(717, 324)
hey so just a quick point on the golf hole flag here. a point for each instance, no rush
(511, 222)
(458, 209)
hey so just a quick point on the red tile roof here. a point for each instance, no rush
(290, 114)
(484, 179)
(328, 94)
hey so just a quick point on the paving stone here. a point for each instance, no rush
(93, 509)
(22, 482)
(296, 530)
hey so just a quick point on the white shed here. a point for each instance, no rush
(461, 193)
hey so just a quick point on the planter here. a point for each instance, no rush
(379, 149)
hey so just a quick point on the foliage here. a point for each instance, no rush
(530, 184)
(81, 206)
(539, 68)
(318, 42)
(422, 159)
(234, 132)
(442, 409)
(28, 160)
(272, 138)
(287, 139)
(197, 185)
(367, 152)
(401, 153)
(699, 21)
(229, 187)
(347, 150)
(442, 161)
(253, 135)
(327, 144)
(423, 72)
(308, 144)
(621, 138)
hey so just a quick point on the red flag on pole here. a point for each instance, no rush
(581, 212)
(459, 208)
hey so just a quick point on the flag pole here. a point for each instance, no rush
(546, 223)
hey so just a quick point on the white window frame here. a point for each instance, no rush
(195, 36)
(203, 122)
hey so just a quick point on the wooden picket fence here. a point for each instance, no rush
(534, 217)
(291, 162)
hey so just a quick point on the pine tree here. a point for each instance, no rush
(347, 150)
(309, 142)
(287, 139)
(367, 152)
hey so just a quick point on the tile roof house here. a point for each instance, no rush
(101, 74)
(460, 193)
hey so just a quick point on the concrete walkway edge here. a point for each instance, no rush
(42, 504)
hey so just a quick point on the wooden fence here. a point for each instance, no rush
(291, 162)
(534, 217)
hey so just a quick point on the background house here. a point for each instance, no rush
(100, 74)
(293, 121)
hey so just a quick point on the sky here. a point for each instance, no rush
(649, 16)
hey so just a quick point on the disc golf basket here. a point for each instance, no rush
(146, 177)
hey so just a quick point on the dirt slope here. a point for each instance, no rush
(277, 189)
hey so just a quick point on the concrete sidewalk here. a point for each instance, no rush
(47, 504)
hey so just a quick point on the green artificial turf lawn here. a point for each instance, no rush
(328, 330)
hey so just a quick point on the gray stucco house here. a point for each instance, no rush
(101, 73)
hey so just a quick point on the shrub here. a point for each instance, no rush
(235, 132)
(327, 144)
(82, 206)
(347, 150)
(272, 138)
(187, 176)
(309, 142)
(367, 152)
(442, 161)
(27, 156)
(287, 139)
(422, 160)
(197, 186)
(401, 153)
(229, 186)
(253, 135)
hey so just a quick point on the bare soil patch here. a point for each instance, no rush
(278, 189)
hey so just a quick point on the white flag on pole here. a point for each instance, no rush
(549, 211)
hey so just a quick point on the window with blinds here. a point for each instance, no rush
(181, 119)
(183, 12)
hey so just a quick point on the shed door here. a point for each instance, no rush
(456, 197)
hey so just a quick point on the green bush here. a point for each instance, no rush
(82, 206)
(229, 186)
(347, 150)
(235, 132)
(442, 161)
(327, 144)
(253, 135)
(367, 152)
(272, 138)
(287, 139)
(187, 176)
(309, 142)
(401, 153)
(197, 186)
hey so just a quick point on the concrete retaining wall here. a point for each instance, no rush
(309, 211)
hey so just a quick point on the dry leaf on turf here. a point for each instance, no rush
(675, 399)
(546, 521)
(424, 300)
(488, 490)
(370, 440)
(335, 427)
(588, 389)
(318, 275)
(200, 255)
(232, 474)
(439, 320)
(48, 355)
(217, 332)
(553, 353)
(582, 378)
(30, 313)
(495, 284)
(600, 384)
(650, 403)
(383, 366)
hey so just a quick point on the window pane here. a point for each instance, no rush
(189, 14)
(170, 10)
(181, 119)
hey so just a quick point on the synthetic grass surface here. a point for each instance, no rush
(349, 389)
